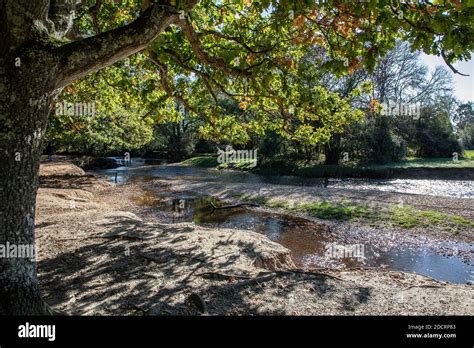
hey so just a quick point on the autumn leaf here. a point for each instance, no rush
(299, 22)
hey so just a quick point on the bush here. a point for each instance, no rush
(435, 136)
(374, 142)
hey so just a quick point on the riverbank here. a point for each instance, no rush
(437, 168)
(442, 217)
(99, 253)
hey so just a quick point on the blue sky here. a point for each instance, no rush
(464, 86)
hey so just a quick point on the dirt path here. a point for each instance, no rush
(97, 255)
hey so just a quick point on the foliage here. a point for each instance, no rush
(202, 161)
(376, 142)
(122, 120)
(247, 68)
(434, 135)
(464, 124)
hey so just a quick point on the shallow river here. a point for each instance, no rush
(314, 245)
(443, 188)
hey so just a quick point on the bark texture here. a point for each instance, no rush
(23, 117)
(33, 69)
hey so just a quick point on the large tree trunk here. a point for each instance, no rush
(23, 116)
(33, 70)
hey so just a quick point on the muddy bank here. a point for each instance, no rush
(98, 255)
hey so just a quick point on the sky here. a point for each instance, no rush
(464, 86)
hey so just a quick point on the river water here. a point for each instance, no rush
(313, 245)
(442, 188)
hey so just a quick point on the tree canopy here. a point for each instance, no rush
(266, 56)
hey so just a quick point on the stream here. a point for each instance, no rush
(440, 188)
(313, 245)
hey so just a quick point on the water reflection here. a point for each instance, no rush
(309, 241)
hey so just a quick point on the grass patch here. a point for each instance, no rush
(459, 220)
(337, 211)
(406, 216)
(469, 154)
(211, 162)
(433, 216)
(243, 165)
(201, 161)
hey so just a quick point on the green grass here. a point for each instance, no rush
(405, 217)
(201, 161)
(211, 162)
(402, 216)
(413, 162)
(244, 165)
(459, 220)
(408, 217)
(433, 216)
(336, 211)
(469, 154)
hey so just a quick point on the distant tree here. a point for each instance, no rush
(464, 124)
(434, 134)
(400, 78)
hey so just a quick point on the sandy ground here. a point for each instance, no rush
(97, 255)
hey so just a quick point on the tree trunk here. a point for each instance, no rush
(332, 150)
(33, 70)
(22, 125)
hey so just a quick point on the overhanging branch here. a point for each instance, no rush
(165, 82)
(453, 69)
(79, 58)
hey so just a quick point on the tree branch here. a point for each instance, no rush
(165, 82)
(207, 78)
(203, 56)
(453, 69)
(16, 19)
(77, 59)
(238, 40)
